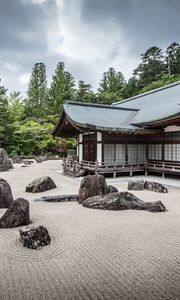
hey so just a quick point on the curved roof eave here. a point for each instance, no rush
(110, 129)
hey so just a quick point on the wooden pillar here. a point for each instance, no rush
(80, 147)
(99, 147)
(126, 153)
(162, 157)
(77, 147)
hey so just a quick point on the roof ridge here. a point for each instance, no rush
(147, 93)
(98, 105)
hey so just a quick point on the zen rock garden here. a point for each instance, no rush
(93, 193)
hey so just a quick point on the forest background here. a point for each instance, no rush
(26, 123)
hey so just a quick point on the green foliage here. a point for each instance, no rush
(31, 137)
(16, 107)
(84, 93)
(26, 124)
(165, 80)
(4, 115)
(131, 88)
(62, 88)
(111, 86)
(173, 58)
(151, 68)
(36, 102)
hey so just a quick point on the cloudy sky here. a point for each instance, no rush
(88, 35)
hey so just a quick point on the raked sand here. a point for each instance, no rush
(94, 254)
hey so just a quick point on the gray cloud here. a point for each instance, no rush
(144, 22)
(20, 25)
(89, 36)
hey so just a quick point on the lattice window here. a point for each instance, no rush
(178, 152)
(155, 151)
(120, 153)
(132, 153)
(172, 152)
(141, 153)
(109, 154)
(136, 153)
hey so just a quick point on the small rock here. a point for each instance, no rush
(41, 184)
(11, 164)
(137, 185)
(35, 238)
(39, 160)
(155, 187)
(17, 160)
(111, 189)
(16, 215)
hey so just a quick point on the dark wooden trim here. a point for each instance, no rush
(126, 151)
(102, 152)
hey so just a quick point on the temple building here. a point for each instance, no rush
(141, 133)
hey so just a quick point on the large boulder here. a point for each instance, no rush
(16, 215)
(6, 198)
(92, 185)
(121, 201)
(136, 185)
(41, 184)
(5, 162)
(34, 238)
(155, 187)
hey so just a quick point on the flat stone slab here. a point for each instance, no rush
(121, 201)
(58, 198)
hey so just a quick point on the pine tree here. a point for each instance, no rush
(4, 114)
(173, 58)
(62, 88)
(36, 102)
(152, 67)
(84, 92)
(111, 86)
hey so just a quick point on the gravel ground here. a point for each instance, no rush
(93, 254)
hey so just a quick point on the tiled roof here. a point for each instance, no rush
(156, 105)
(100, 117)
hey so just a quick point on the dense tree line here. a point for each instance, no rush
(26, 123)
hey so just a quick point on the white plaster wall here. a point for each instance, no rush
(99, 152)
(80, 152)
(99, 137)
(172, 128)
(80, 138)
(99, 146)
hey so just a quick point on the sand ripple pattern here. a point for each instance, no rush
(94, 254)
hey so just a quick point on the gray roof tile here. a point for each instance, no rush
(155, 105)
